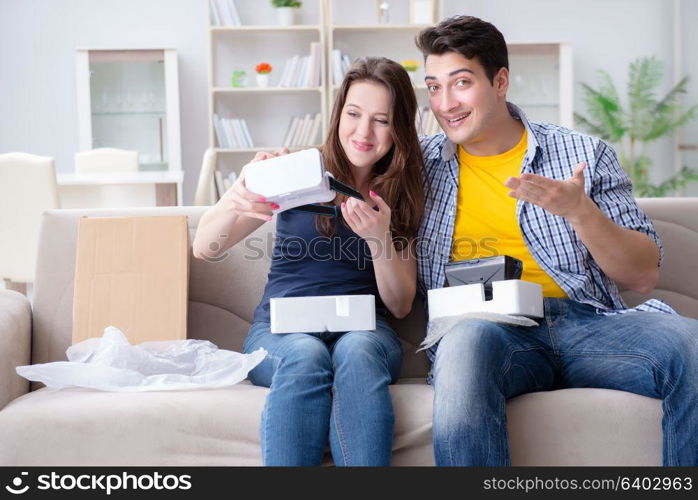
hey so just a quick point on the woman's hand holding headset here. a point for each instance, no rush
(246, 203)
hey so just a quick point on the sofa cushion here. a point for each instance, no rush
(83, 427)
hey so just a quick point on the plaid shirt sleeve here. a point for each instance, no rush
(612, 192)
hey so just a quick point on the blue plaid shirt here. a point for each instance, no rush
(553, 152)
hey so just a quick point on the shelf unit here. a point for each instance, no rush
(542, 79)
(241, 48)
(353, 28)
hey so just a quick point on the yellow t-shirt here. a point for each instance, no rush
(486, 223)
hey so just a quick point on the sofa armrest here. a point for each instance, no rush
(15, 344)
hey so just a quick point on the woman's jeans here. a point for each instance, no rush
(478, 365)
(329, 384)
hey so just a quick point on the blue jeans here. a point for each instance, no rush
(478, 365)
(329, 384)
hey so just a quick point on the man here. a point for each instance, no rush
(558, 201)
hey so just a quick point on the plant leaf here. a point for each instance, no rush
(606, 112)
(644, 76)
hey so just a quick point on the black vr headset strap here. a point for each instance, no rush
(331, 210)
(335, 185)
(315, 208)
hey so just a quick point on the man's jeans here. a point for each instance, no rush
(331, 383)
(480, 364)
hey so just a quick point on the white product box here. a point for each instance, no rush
(514, 297)
(332, 313)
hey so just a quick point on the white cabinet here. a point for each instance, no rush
(541, 81)
(129, 99)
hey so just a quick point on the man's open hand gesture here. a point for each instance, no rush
(564, 198)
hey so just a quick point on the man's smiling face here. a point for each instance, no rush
(462, 97)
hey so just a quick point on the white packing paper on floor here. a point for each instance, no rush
(111, 363)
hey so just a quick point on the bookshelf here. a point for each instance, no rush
(267, 111)
(542, 78)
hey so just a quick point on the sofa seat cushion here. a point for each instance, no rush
(585, 427)
(221, 427)
(82, 427)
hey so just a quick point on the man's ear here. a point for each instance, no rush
(501, 82)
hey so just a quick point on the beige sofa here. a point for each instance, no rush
(220, 427)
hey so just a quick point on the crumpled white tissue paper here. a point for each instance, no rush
(437, 328)
(111, 363)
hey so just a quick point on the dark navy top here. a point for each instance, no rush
(306, 263)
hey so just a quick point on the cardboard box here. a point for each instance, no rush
(332, 313)
(132, 273)
(515, 297)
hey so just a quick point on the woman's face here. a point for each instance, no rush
(364, 126)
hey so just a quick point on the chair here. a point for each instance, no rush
(106, 160)
(206, 190)
(27, 188)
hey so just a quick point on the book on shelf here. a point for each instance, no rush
(215, 16)
(240, 138)
(337, 74)
(224, 13)
(290, 131)
(314, 130)
(346, 64)
(316, 64)
(296, 139)
(303, 71)
(232, 133)
(340, 65)
(220, 133)
(248, 136)
(303, 76)
(303, 130)
(289, 71)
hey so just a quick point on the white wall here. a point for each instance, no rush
(38, 39)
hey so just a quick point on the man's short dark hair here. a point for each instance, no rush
(469, 36)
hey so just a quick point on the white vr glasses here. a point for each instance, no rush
(297, 180)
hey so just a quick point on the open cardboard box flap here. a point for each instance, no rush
(132, 273)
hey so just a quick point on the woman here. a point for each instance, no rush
(336, 383)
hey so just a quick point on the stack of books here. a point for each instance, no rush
(224, 13)
(426, 122)
(303, 131)
(340, 65)
(232, 133)
(303, 71)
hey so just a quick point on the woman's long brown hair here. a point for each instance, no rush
(397, 177)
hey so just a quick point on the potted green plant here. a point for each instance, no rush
(644, 119)
(285, 10)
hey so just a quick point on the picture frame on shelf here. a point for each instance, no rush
(422, 12)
